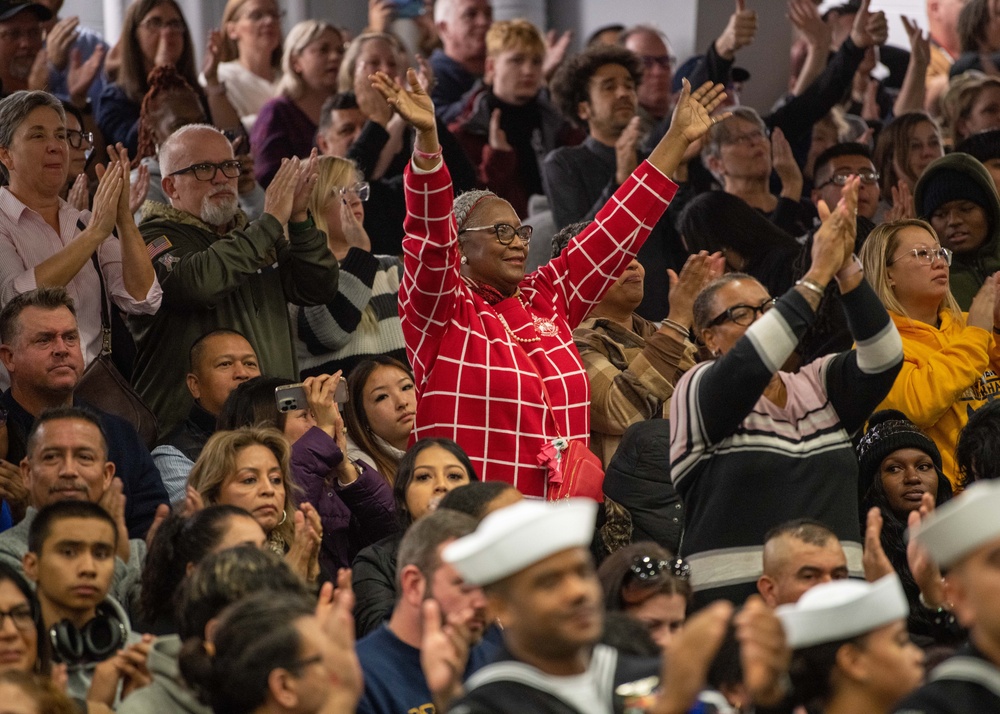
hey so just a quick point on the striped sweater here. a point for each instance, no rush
(743, 465)
(362, 320)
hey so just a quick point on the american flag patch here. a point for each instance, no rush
(157, 246)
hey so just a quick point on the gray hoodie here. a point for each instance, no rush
(168, 693)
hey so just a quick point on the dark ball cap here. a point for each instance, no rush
(890, 430)
(984, 146)
(9, 9)
(952, 185)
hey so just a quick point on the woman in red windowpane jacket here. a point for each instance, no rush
(492, 348)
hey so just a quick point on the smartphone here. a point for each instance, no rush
(290, 397)
(340, 395)
(409, 8)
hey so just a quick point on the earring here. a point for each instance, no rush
(464, 261)
(284, 516)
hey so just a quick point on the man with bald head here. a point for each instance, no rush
(220, 271)
(799, 555)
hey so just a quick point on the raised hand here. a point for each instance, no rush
(334, 610)
(81, 75)
(444, 652)
(13, 487)
(380, 15)
(902, 202)
(805, 17)
(280, 193)
(869, 28)
(627, 150)
(698, 271)
(213, 55)
(120, 154)
(60, 39)
(693, 112)
(785, 165)
(352, 228)
(109, 188)
(371, 103)
(497, 136)
(764, 653)
(139, 189)
(925, 571)
(555, 51)
(79, 193)
(920, 43)
(874, 560)
(983, 310)
(113, 501)
(740, 31)
(308, 175)
(413, 104)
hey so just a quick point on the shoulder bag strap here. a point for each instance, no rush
(105, 314)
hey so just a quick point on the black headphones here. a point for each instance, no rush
(96, 641)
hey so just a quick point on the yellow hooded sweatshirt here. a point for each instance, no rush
(948, 373)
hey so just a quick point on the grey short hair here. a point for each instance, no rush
(16, 108)
(299, 37)
(721, 132)
(465, 202)
(171, 148)
(422, 539)
(705, 300)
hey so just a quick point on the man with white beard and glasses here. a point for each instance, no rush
(220, 271)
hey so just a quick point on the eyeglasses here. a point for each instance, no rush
(661, 61)
(77, 139)
(926, 256)
(647, 573)
(505, 232)
(261, 15)
(155, 24)
(21, 616)
(749, 138)
(840, 179)
(206, 170)
(361, 189)
(743, 315)
(16, 34)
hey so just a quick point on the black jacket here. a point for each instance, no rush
(962, 684)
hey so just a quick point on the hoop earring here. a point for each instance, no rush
(284, 517)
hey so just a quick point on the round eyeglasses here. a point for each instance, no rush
(206, 170)
(743, 315)
(505, 232)
(79, 139)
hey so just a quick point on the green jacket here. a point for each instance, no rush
(968, 270)
(242, 281)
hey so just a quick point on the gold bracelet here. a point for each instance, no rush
(811, 284)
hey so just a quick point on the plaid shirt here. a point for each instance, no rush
(477, 385)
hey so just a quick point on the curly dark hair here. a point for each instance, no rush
(571, 84)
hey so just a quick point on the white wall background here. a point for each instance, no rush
(690, 24)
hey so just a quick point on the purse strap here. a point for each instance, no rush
(105, 313)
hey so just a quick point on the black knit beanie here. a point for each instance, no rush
(889, 430)
(952, 185)
(983, 146)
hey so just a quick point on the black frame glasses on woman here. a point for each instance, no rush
(840, 179)
(77, 139)
(206, 170)
(505, 232)
(926, 256)
(22, 617)
(742, 315)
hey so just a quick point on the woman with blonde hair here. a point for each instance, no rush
(248, 61)
(363, 320)
(906, 146)
(950, 358)
(286, 125)
(250, 468)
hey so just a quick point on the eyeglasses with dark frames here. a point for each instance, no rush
(505, 232)
(206, 170)
(22, 617)
(926, 256)
(742, 315)
(79, 139)
(869, 178)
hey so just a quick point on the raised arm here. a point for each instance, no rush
(595, 258)
(137, 272)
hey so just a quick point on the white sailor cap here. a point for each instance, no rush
(509, 540)
(842, 609)
(962, 524)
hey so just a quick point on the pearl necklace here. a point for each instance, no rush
(544, 327)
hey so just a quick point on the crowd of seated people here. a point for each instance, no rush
(449, 364)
